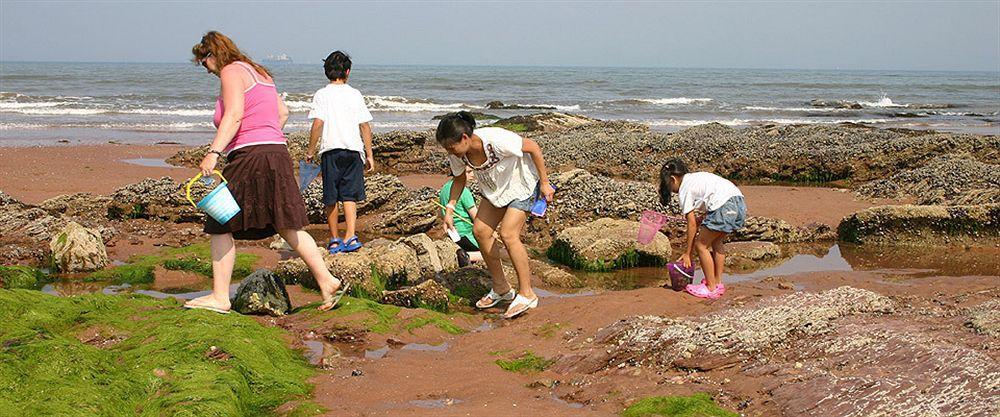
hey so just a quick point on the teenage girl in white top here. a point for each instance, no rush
(511, 174)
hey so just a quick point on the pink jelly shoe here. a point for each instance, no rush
(717, 292)
(698, 290)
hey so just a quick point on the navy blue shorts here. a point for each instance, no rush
(343, 174)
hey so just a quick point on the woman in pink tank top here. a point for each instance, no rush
(249, 116)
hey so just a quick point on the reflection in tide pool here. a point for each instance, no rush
(832, 261)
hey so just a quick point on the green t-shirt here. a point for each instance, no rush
(465, 202)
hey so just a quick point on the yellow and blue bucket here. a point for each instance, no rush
(220, 203)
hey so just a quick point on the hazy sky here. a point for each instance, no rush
(845, 35)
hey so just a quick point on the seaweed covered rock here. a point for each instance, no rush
(542, 122)
(468, 283)
(21, 276)
(262, 292)
(923, 225)
(78, 249)
(428, 294)
(607, 244)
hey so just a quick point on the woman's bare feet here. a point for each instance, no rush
(209, 302)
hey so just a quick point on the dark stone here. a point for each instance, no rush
(262, 293)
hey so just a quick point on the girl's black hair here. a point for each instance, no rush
(671, 167)
(453, 126)
(336, 65)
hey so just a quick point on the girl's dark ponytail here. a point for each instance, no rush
(452, 126)
(671, 167)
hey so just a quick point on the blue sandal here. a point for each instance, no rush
(351, 245)
(335, 246)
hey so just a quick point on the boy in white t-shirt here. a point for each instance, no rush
(340, 117)
(726, 212)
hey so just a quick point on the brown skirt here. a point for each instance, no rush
(263, 182)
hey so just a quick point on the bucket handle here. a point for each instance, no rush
(196, 177)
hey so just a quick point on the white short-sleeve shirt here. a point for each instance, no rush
(705, 191)
(508, 174)
(341, 108)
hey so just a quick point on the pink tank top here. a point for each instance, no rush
(260, 124)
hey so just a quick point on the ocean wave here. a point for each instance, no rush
(120, 126)
(403, 104)
(796, 109)
(747, 122)
(168, 112)
(54, 109)
(298, 106)
(674, 100)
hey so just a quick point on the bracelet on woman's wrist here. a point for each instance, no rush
(211, 151)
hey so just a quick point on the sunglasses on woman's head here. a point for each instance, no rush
(205, 59)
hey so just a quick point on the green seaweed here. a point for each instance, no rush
(548, 329)
(441, 321)
(193, 258)
(23, 277)
(513, 127)
(527, 363)
(306, 409)
(378, 318)
(162, 360)
(133, 274)
(696, 405)
(561, 252)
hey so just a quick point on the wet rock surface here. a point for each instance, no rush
(78, 249)
(428, 294)
(923, 225)
(263, 293)
(542, 122)
(779, 231)
(607, 244)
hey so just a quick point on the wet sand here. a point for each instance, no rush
(33, 175)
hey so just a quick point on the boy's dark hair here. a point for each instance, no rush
(671, 167)
(336, 65)
(453, 126)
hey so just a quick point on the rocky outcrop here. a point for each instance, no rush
(380, 189)
(414, 213)
(923, 225)
(428, 294)
(434, 256)
(401, 151)
(542, 122)
(948, 179)
(475, 115)
(582, 196)
(607, 244)
(158, 199)
(499, 105)
(78, 249)
(779, 231)
(469, 283)
(85, 205)
(985, 318)
(263, 293)
(839, 104)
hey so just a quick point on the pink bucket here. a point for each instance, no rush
(649, 225)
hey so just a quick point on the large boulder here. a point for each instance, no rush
(923, 225)
(262, 292)
(78, 249)
(607, 244)
(428, 294)
(542, 122)
(469, 283)
(378, 266)
(752, 255)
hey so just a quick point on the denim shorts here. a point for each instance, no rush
(728, 218)
(525, 205)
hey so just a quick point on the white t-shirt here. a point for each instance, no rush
(341, 108)
(508, 174)
(705, 191)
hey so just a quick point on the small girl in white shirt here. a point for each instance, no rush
(726, 213)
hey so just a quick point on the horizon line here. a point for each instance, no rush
(997, 70)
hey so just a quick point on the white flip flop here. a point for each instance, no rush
(497, 298)
(204, 307)
(524, 305)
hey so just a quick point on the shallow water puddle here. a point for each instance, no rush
(832, 261)
(567, 403)
(420, 347)
(149, 162)
(438, 403)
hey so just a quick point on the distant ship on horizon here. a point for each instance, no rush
(278, 59)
